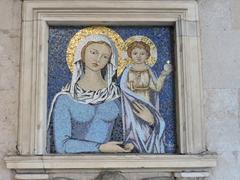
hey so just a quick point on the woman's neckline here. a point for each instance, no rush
(89, 90)
(92, 90)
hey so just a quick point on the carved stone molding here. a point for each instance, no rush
(39, 14)
(179, 166)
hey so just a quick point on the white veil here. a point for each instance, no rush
(78, 65)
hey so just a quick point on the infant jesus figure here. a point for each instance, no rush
(143, 125)
(141, 79)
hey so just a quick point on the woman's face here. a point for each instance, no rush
(97, 56)
(139, 55)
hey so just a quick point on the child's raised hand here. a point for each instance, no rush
(168, 68)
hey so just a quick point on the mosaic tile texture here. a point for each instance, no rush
(59, 74)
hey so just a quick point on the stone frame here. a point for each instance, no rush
(39, 14)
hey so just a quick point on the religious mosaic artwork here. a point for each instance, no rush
(111, 90)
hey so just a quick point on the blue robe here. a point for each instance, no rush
(79, 127)
(145, 138)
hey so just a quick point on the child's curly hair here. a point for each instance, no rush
(140, 45)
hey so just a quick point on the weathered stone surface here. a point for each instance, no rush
(9, 77)
(221, 59)
(220, 52)
(220, 45)
(8, 128)
(9, 48)
(222, 124)
(223, 131)
(10, 14)
(228, 166)
(236, 15)
(215, 15)
(10, 24)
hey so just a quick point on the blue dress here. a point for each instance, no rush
(79, 127)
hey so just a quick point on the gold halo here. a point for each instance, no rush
(94, 30)
(125, 60)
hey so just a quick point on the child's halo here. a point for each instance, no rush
(125, 60)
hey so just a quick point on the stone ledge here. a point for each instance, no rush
(56, 162)
(191, 174)
(31, 176)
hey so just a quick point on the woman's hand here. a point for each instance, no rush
(113, 147)
(143, 112)
(129, 147)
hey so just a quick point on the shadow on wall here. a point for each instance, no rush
(110, 176)
(113, 175)
(106, 175)
(62, 178)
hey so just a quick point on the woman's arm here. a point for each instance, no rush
(62, 131)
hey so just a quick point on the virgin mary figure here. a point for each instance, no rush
(82, 115)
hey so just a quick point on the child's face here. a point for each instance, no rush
(139, 55)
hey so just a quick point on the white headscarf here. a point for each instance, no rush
(78, 59)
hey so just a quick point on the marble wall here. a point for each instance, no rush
(220, 36)
(10, 24)
(220, 33)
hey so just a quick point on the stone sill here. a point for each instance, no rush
(170, 163)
